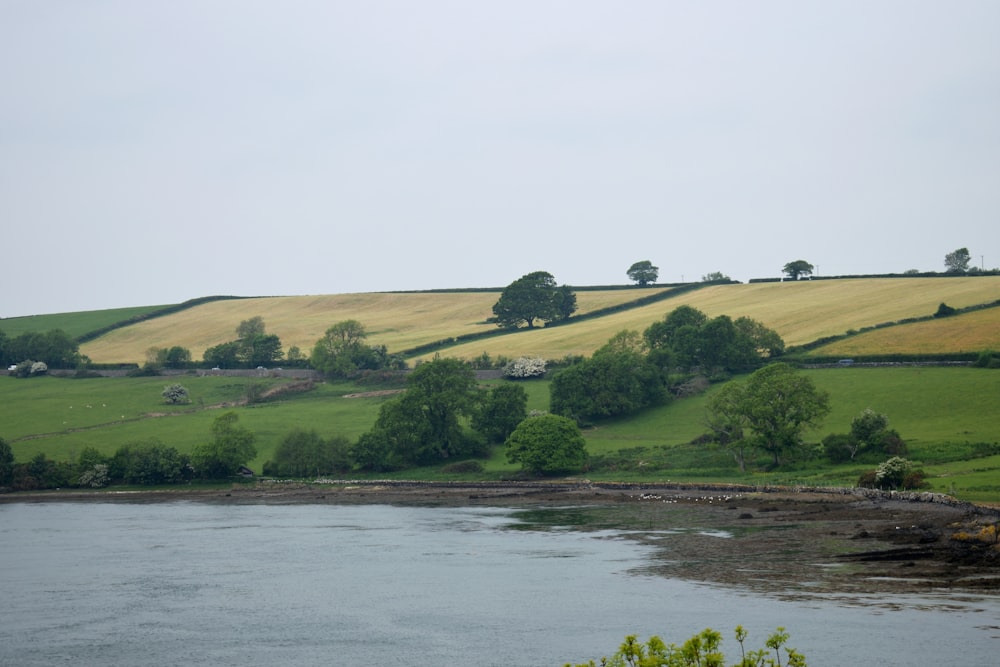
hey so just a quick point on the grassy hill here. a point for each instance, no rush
(801, 312)
(947, 415)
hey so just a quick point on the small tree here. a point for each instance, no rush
(798, 268)
(547, 444)
(643, 273)
(503, 408)
(231, 447)
(715, 277)
(957, 261)
(6, 463)
(175, 394)
(867, 430)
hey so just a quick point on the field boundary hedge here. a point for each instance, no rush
(443, 343)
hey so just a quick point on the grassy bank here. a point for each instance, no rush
(947, 416)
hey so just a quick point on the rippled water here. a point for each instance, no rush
(185, 583)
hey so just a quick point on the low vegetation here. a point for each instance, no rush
(701, 650)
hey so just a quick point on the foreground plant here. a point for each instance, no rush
(702, 650)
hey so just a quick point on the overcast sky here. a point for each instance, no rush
(157, 151)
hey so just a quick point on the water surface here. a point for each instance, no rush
(209, 584)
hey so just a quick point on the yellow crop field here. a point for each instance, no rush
(800, 312)
(397, 320)
(970, 332)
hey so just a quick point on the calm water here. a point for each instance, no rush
(202, 584)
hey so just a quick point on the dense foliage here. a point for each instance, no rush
(231, 447)
(343, 353)
(643, 273)
(252, 348)
(55, 348)
(534, 296)
(303, 453)
(424, 424)
(769, 412)
(547, 445)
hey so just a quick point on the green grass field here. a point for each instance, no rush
(941, 412)
(74, 324)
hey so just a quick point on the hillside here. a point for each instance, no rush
(801, 312)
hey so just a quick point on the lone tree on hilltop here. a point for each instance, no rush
(643, 273)
(531, 297)
(798, 268)
(957, 261)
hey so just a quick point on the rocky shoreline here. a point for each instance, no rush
(795, 540)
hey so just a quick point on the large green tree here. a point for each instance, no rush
(797, 269)
(500, 411)
(618, 379)
(643, 273)
(425, 424)
(534, 296)
(304, 453)
(775, 405)
(547, 444)
(342, 351)
(695, 341)
(231, 446)
(957, 261)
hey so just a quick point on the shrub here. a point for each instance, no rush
(867, 480)
(944, 310)
(891, 473)
(175, 394)
(838, 447)
(701, 650)
(463, 467)
(988, 359)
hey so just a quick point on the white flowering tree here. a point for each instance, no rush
(175, 394)
(524, 367)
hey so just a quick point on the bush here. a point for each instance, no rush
(867, 480)
(175, 394)
(463, 467)
(702, 650)
(838, 447)
(944, 310)
(988, 359)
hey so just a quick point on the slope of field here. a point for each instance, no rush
(396, 320)
(74, 324)
(800, 312)
(969, 332)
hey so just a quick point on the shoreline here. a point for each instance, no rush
(877, 542)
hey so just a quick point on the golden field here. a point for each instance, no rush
(397, 320)
(800, 312)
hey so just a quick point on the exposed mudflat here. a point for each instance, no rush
(798, 542)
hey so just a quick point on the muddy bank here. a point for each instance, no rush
(793, 541)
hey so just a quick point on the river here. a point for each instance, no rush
(191, 583)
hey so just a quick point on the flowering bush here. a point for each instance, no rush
(891, 473)
(524, 367)
(175, 393)
(96, 477)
